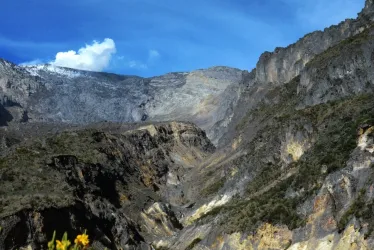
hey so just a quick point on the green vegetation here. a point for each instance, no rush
(361, 210)
(213, 188)
(354, 210)
(352, 45)
(286, 101)
(29, 176)
(193, 244)
(335, 127)
(247, 216)
(338, 123)
(82, 144)
(268, 173)
(81, 242)
(366, 213)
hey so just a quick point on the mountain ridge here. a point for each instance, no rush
(291, 166)
(129, 98)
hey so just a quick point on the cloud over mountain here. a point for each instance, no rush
(94, 57)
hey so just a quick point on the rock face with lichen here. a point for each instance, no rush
(293, 165)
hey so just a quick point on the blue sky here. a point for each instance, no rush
(152, 37)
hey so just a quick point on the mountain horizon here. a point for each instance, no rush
(151, 39)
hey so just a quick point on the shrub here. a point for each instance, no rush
(213, 188)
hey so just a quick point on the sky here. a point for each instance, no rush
(153, 37)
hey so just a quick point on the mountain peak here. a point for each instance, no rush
(369, 7)
(36, 69)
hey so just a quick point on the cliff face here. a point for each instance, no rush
(341, 71)
(331, 64)
(16, 85)
(284, 64)
(293, 168)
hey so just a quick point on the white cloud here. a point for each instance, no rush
(95, 57)
(153, 54)
(137, 65)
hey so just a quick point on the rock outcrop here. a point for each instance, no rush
(284, 64)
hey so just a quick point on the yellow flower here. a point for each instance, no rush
(62, 245)
(82, 239)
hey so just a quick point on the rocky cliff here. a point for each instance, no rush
(284, 64)
(101, 178)
(292, 167)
